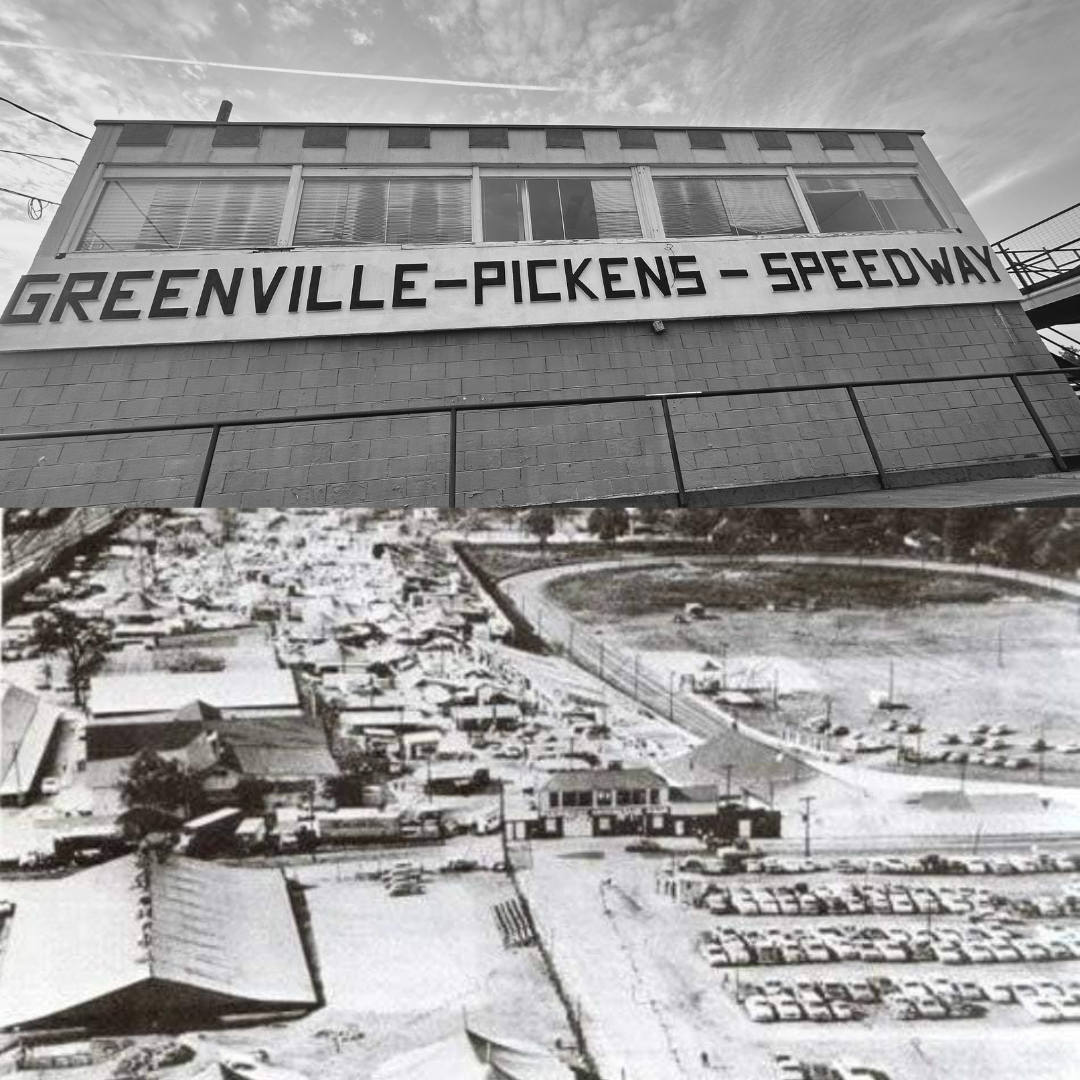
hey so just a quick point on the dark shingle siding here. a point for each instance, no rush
(332, 138)
(772, 140)
(835, 140)
(489, 138)
(409, 138)
(706, 139)
(144, 135)
(237, 135)
(892, 140)
(562, 138)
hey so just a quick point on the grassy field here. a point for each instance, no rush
(748, 587)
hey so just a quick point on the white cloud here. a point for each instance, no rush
(358, 37)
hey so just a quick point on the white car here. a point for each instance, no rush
(50, 785)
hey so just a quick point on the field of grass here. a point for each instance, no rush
(747, 587)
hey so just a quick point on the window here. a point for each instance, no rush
(144, 135)
(151, 215)
(382, 211)
(870, 204)
(727, 206)
(325, 137)
(559, 209)
(637, 139)
(835, 140)
(895, 140)
(237, 135)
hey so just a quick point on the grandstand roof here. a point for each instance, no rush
(116, 696)
(28, 725)
(227, 935)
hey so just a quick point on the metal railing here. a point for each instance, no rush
(1044, 253)
(453, 411)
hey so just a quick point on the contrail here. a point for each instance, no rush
(282, 71)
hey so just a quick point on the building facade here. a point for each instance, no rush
(520, 301)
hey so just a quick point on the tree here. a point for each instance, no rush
(697, 522)
(608, 523)
(81, 640)
(162, 783)
(540, 521)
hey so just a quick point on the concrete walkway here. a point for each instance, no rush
(1054, 489)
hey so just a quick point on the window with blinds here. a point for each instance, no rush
(722, 206)
(183, 215)
(870, 204)
(559, 209)
(387, 211)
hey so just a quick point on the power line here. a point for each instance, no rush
(42, 159)
(34, 203)
(47, 119)
(34, 198)
(45, 157)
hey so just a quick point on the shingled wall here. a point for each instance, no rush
(802, 442)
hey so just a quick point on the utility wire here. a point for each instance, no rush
(40, 159)
(32, 198)
(47, 119)
(44, 157)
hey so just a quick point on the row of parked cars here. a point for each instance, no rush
(848, 898)
(999, 864)
(994, 943)
(792, 1068)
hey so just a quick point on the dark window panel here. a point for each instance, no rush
(144, 135)
(503, 217)
(325, 137)
(565, 139)
(835, 140)
(706, 139)
(545, 210)
(579, 210)
(489, 138)
(405, 138)
(895, 141)
(637, 139)
(772, 140)
(237, 135)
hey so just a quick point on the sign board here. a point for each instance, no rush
(134, 298)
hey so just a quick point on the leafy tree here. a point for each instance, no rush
(81, 640)
(608, 523)
(158, 782)
(697, 522)
(540, 521)
(653, 517)
(192, 660)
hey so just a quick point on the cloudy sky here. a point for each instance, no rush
(990, 80)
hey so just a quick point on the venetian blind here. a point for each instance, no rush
(691, 207)
(141, 215)
(761, 205)
(616, 211)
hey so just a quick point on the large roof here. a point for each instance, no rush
(608, 779)
(28, 725)
(158, 692)
(224, 931)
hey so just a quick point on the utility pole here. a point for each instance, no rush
(727, 794)
(671, 696)
(963, 771)
(601, 659)
(637, 667)
(806, 800)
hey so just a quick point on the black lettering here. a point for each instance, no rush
(214, 286)
(807, 264)
(297, 288)
(967, 268)
(70, 298)
(939, 271)
(611, 278)
(401, 285)
(481, 281)
(535, 295)
(313, 301)
(838, 272)
(658, 278)
(770, 257)
(165, 292)
(912, 276)
(985, 259)
(263, 297)
(117, 292)
(515, 273)
(863, 258)
(355, 303)
(678, 274)
(37, 301)
(573, 279)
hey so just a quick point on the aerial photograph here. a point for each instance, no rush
(606, 794)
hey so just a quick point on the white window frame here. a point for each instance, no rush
(884, 170)
(138, 171)
(564, 172)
